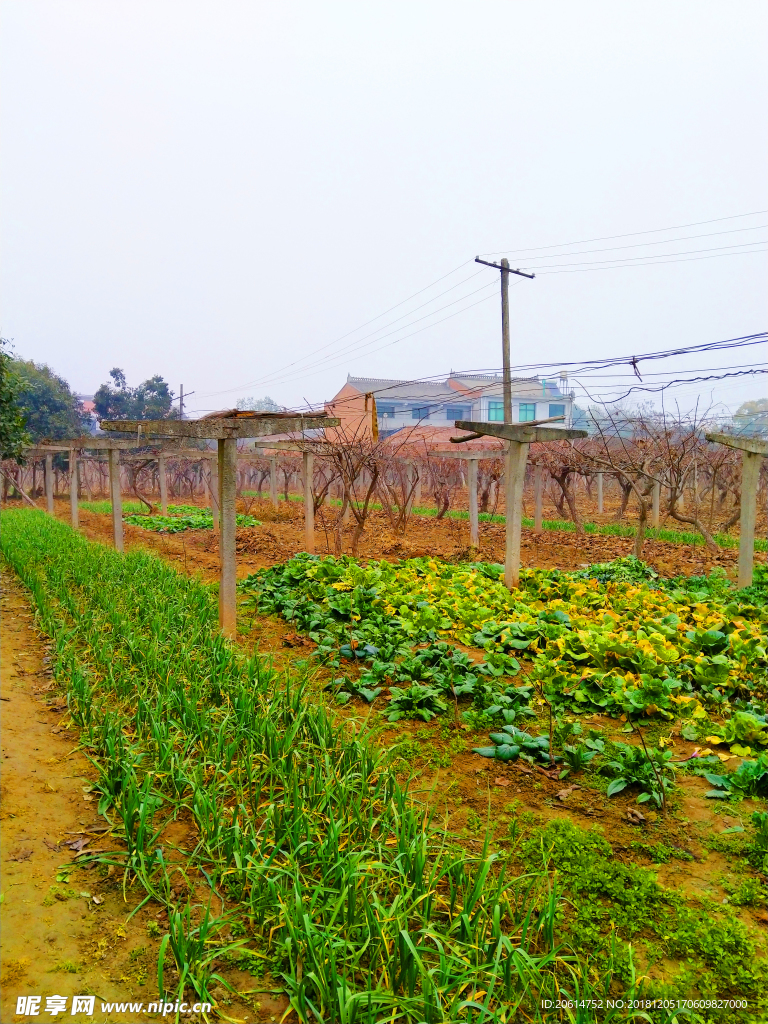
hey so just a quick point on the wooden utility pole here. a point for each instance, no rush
(505, 356)
(517, 453)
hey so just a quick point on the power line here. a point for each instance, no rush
(582, 366)
(691, 259)
(656, 257)
(661, 241)
(627, 234)
(361, 326)
(270, 378)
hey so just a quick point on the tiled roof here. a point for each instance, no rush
(452, 389)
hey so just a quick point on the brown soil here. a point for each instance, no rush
(281, 535)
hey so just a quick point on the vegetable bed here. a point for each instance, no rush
(613, 638)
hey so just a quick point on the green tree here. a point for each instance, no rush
(50, 409)
(258, 404)
(13, 435)
(752, 417)
(152, 400)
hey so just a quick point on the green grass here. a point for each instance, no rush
(609, 897)
(104, 508)
(332, 878)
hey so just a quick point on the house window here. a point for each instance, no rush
(557, 410)
(420, 412)
(496, 411)
(457, 412)
(527, 412)
(385, 410)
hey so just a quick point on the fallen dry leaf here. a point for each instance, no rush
(51, 846)
(295, 640)
(565, 793)
(634, 816)
(98, 900)
(78, 844)
(501, 782)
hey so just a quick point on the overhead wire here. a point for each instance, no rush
(656, 258)
(294, 370)
(364, 325)
(626, 234)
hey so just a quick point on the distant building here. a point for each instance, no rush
(89, 410)
(478, 397)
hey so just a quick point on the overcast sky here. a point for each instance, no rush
(216, 191)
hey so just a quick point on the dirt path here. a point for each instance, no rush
(63, 927)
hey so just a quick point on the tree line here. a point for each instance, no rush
(38, 404)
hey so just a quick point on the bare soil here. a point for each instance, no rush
(281, 535)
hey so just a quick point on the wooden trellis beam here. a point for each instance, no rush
(226, 429)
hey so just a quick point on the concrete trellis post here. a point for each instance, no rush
(474, 525)
(273, 481)
(226, 429)
(49, 484)
(74, 507)
(656, 502)
(410, 478)
(517, 457)
(227, 481)
(519, 437)
(600, 493)
(163, 480)
(309, 504)
(116, 498)
(752, 450)
(538, 494)
(215, 492)
(471, 458)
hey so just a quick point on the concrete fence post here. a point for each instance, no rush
(116, 497)
(474, 525)
(49, 483)
(74, 495)
(600, 493)
(309, 505)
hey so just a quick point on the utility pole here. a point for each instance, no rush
(505, 353)
(181, 400)
(517, 451)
